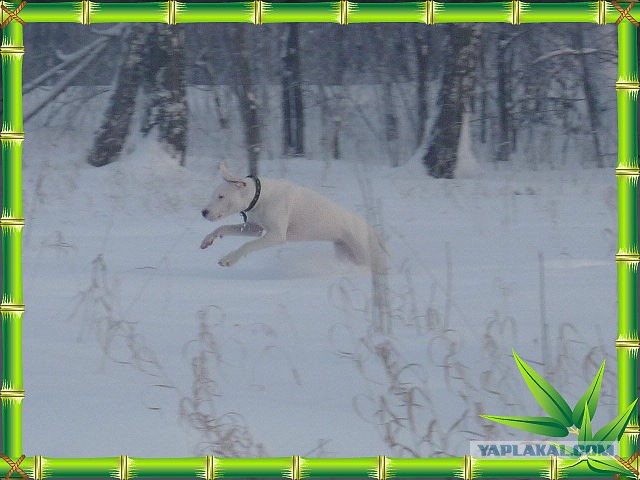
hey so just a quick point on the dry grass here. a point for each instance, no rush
(400, 401)
(99, 309)
(222, 434)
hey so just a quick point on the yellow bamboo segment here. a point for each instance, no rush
(381, 473)
(210, 469)
(627, 85)
(295, 467)
(8, 393)
(515, 12)
(257, 12)
(37, 468)
(632, 429)
(11, 135)
(7, 134)
(627, 172)
(628, 343)
(12, 49)
(86, 12)
(429, 12)
(344, 12)
(172, 7)
(11, 222)
(627, 257)
(602, 12)
(11, 307)
(467, 473)
(124, 467)
(553, 468)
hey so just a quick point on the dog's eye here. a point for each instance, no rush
(220, 197)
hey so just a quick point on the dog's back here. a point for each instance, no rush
(313, 216)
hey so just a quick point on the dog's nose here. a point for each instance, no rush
(205, 212)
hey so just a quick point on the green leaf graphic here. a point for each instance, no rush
(585, 435)
(540, 425)
(590, 398)
(613, 431)
(600, 463)
(547, 396)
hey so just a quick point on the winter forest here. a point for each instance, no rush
(482, 154)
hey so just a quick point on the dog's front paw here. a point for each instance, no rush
(229, 259)
(208, 240)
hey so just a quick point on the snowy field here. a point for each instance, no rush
(138, 343)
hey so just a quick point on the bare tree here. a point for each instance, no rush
(153, 62)
(165, 85)
(114, 130)
(421, 41)
(292, 106)
(457, 81)
(247, 95)
(503, 100)
(590, 94)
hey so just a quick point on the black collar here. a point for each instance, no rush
(256, 180)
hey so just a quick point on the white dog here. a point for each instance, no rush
(277, 211)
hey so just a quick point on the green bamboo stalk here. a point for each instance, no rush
(434, 467)
(242, 12)
(65, 12)
(11, 224)
(157, 12)
(406, 12)
(251, 467)
(365, 467)
(210, 468)
(478, 12)
(578, 12)
(358, 12)
(40, 467)
(627, 87)
(168, 467)
(327, 12)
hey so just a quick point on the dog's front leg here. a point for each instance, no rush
(269, 240)
(242, 229)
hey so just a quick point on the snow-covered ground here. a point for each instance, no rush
(136, 342)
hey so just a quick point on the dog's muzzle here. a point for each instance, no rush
(205, 212)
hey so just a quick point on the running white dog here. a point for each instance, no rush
(277, 211)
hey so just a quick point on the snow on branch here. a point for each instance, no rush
(69, 58)
(565, 51)
(65, 80)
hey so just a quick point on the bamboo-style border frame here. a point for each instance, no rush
(344, 12)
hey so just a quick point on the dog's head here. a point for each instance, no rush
(232, 196)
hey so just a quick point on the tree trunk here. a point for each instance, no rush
(247, 97)
(503, 100)
(165, 83)
(591, 97)
(391, 132)
(292, 107)
(113, 132)
(457, 82)
(422, 51)
(155, 61)
(482, 75)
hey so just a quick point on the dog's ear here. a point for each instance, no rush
(229, 177)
